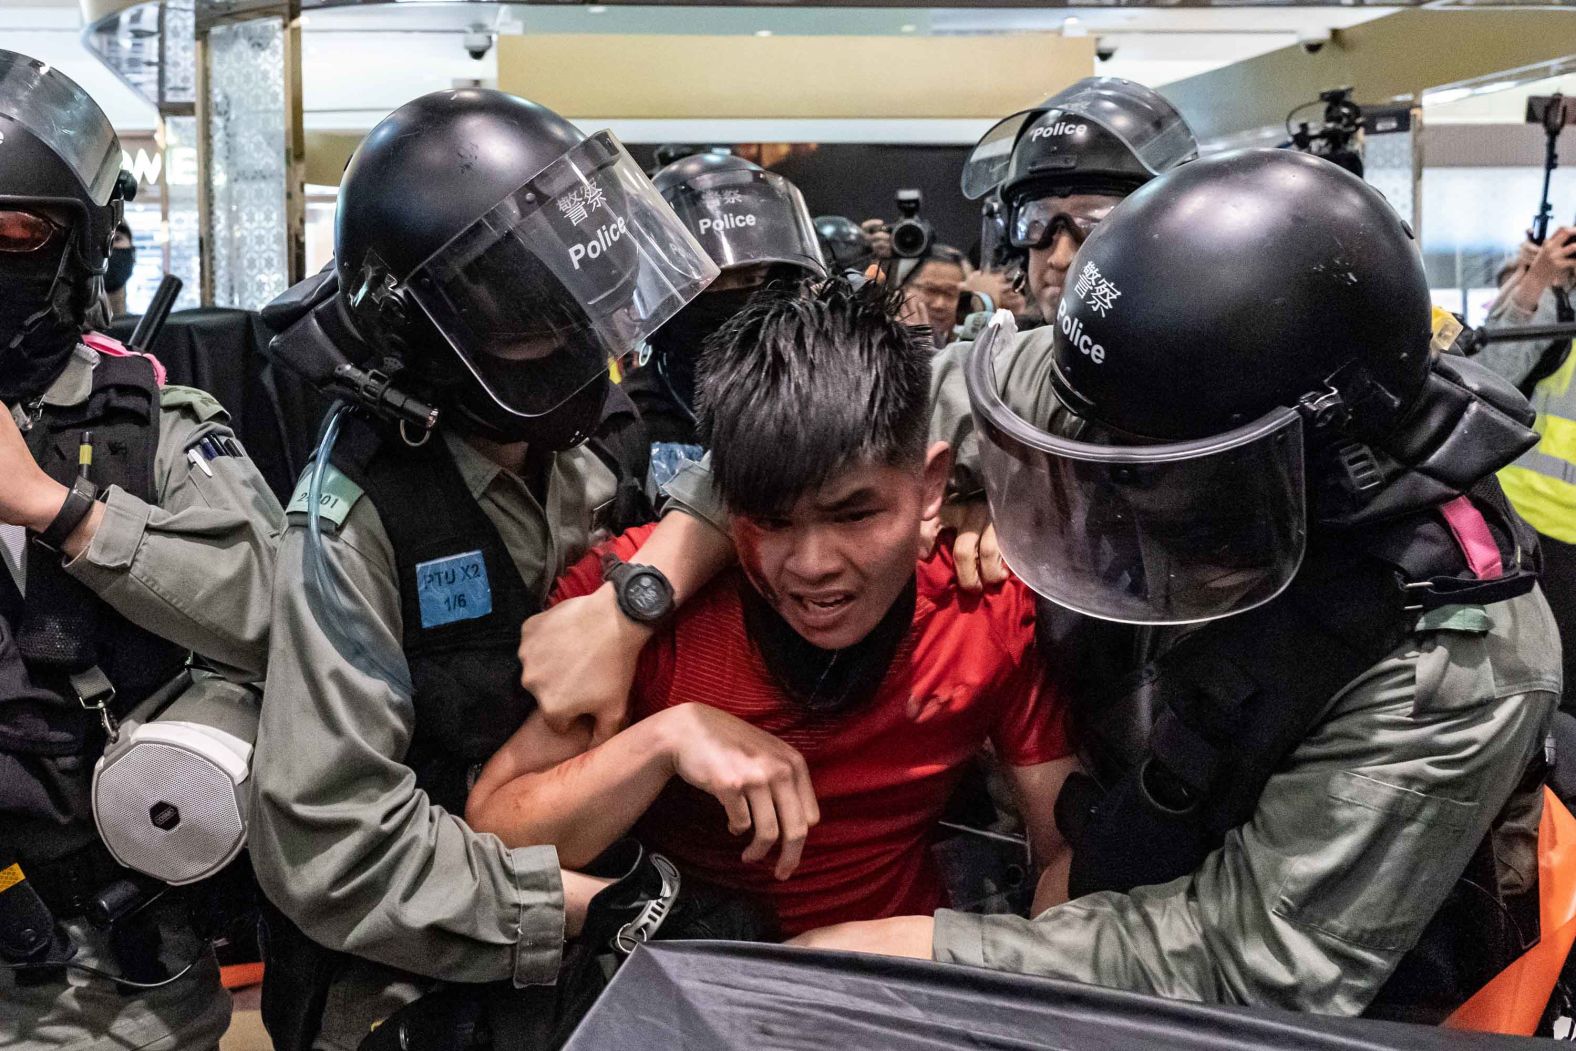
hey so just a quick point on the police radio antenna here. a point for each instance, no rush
(1336, 137)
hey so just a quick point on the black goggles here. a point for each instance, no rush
(1035, 222)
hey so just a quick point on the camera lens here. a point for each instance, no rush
(911, 238)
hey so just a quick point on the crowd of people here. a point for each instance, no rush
(1191, 558)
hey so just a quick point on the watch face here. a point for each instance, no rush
(646, 595)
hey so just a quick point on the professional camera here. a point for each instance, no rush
(911, 235)
(1335, 137)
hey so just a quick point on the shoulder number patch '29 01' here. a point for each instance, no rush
(452, 589)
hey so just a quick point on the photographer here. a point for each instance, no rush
(1528, 299)
(932, 286)
(1542, 484)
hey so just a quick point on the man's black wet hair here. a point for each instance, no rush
(805, 381)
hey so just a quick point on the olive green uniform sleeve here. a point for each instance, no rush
(1022, 370)
(343, 841)
(196, 566)
(693, 491)
(1353, 847)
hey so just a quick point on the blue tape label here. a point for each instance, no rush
(453, 588)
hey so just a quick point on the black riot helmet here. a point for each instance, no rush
(1224, 317)
(61, 195)
(1101, 135)
(745, 217)
(843, 243)
(741, 213)
(501, 257)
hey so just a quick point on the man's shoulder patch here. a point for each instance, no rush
(339, 495)
(199, 403)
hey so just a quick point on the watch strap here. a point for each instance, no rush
(79, 501)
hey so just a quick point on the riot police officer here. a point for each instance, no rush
(138, 540)
(1057, 171)
(754, 225)
(1312, 670)
(468, 331)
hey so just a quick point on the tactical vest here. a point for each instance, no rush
(462, 600)
(1179, 746)
(62, 628)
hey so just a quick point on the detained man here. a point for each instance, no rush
(795, 731)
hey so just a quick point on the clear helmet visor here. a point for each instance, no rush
(64, 118)
(744, 217)
(1148, 125)
(574, 268)
(1175, 533)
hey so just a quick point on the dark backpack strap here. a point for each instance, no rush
(64, 627)
(621, 443)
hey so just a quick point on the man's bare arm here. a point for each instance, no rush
(1037, 788)
(543, 787)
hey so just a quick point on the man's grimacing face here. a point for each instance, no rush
(833, 563)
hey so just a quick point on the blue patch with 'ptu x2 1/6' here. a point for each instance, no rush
(453, 588)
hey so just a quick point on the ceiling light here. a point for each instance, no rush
(596, 9)
(1071, 26)
(763, 32)
(907, 27)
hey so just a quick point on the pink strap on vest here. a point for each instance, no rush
(116, 349)
(1472, 536)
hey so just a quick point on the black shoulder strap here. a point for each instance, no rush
(66, 628)
(1553, 357)
(621, 443)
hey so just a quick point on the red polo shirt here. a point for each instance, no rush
(883, 772)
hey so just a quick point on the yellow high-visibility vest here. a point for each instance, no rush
(1542, 484)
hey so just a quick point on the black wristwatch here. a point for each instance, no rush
(79, 501)
(644, 594)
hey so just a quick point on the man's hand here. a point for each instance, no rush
(758, 779)
(878, 237)
(578, 660)
(1552, 265)
(974, 548)
(909, 936)
(29, 497)
(997, 284)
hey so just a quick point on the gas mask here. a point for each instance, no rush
(37, 329)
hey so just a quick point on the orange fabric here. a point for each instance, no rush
(241, 975)
(1513, 1002)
